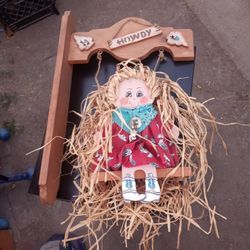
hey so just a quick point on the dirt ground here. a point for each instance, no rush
(27, 61)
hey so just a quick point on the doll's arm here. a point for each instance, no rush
(175, 130)
(98, 135)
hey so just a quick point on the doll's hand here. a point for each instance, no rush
(97, 136)
(175, 131)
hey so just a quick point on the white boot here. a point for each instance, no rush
(129, 192)
(153, 191)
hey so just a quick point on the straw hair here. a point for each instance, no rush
(100, 206)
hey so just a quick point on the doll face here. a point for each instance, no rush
(132, 93)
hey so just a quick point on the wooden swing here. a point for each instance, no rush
(128, 38)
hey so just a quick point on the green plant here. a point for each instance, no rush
(6, 99)
(12, 126)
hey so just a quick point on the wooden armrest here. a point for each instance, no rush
(49, 178)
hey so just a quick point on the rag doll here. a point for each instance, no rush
(128, 124)
(140, 139)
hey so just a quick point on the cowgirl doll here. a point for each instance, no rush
(127, 124)
(140, 140)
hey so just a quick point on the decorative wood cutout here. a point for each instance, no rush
(176, 38)
(139, 50)
(135, 37)
(84, 42)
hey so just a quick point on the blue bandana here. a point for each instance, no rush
(146, 113)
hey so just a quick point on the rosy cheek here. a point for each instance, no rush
(124, 101)
(144, 100)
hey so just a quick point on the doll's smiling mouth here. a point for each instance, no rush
(134, 104)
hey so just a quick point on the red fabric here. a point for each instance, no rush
(140, 151)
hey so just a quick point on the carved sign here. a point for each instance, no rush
(135, 37)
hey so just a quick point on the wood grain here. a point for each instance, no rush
(139, 50)
(49, 179)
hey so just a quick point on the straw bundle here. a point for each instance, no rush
(100, 205)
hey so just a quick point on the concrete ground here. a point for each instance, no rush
(222, 37)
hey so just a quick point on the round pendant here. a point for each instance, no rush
(135, 123)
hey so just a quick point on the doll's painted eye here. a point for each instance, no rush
(139, 93)
(128, 94)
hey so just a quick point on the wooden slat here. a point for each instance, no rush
(6, 240)
(57, 119)
(161, 173)
(139, 50)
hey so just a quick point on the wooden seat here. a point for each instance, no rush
(161, 173)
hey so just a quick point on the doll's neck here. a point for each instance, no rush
(138, 109)
(146, 113)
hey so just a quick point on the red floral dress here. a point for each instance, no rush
(152, 147)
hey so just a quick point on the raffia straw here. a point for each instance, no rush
(45, 145)
(101, 203)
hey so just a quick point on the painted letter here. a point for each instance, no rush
(135, 36)
(143, 34)
(120, 42)
(148, 31)
(126, 39)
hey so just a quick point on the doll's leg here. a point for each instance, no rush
(129, 192)
(152, 185)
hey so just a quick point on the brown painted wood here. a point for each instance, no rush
(6, 240)
(161, 173)
(58, 112)
(139, 50)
